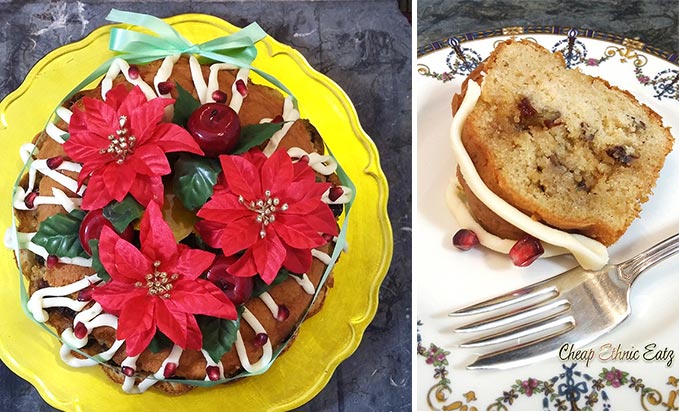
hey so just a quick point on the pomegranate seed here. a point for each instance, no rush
(241, 87)
(277, 119)
(260, 339)
(165, 87)
(213, 373)
(283, 313)
(335, 193)
(219, 96)
(525, 251)
(133, 72)
(51, 261)
(80, 331)
(54, 162)
(85, 295)
(169, 369)
(127, 371)
(465, 239)
(29, 201)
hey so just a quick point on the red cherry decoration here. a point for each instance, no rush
(237, 289)
(465, 239)
(29, 200)
(165, 87)
(169, 370)
(525, 251)
(92, 225)
(215, 127)
(80, 331)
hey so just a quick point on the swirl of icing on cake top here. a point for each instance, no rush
(89, 314)
(589, 253)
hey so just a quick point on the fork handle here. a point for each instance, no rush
(633, 267)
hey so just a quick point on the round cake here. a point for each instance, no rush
(561, 148)
(177, 223)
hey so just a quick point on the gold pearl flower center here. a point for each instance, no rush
(158, 283)
(121, 145)
(264, 209)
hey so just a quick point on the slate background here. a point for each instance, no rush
(365, 46)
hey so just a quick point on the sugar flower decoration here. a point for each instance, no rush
(268, 209)
(122, 143)
(158, 286)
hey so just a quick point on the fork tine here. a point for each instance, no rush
(511, 298)
(565, 323)
(559, 306)
(525, 353)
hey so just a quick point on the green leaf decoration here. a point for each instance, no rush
(254, 135)
(159, 342)
(58, 234)
(122, 213)
(194, 179)
(259, 287)
(96, 262)
(219, 334)
(184, 106)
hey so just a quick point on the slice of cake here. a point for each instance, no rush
(568, 150)
(177, 223)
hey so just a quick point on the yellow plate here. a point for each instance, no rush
(324, 340)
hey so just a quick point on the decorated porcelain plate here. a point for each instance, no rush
(635, 366)
(307, 366)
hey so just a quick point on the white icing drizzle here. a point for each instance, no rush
(460, 210)
(323, 257)
(122, 67)
(588, 252)
(39, 299)
(269, 302)
(262, 364)
(129, 382)
(64, 114)
(322, 164)
(55, 133)
(210, 362)
(23, 241)
(304, 283)
(290, 115)
(162, 75)
(197, 78)
(149, 381)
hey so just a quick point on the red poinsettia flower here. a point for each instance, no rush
(270, 209)
(157, 287)
(121, 143)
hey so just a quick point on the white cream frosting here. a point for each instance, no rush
(589, 253)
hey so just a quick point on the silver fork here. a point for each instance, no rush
(575, 307)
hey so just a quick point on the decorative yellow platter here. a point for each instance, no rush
(324, 340)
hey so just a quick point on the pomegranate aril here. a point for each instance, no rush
(133, 72)
(165, 87)
(29, 200)
(282, 313)
(169, 369)
(85, 295)
(51, 261)
(213, 373)
(277, 119)
(525, 251)
(219, 96)
(127, 371)
(80, 331)
(465, 239)
(335, 193)
(241, 88)
(260, 339)
(54, 162)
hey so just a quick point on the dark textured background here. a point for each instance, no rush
(365, 46)
(655, 22)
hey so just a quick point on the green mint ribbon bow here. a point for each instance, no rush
(237, 48)
(136, 47)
